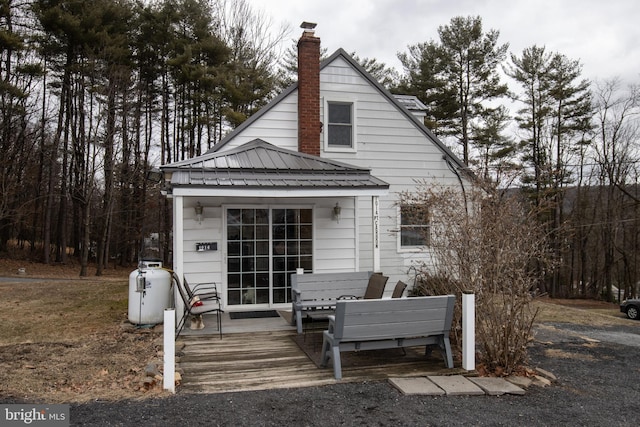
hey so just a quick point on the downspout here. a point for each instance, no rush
(455, 171)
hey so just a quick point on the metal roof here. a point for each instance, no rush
(410, 102)
(258, 164)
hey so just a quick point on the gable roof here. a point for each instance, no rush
(260, 165)
(341, 53)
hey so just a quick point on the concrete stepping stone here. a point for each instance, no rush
(456, 385)
(418, 385)
(496, 386)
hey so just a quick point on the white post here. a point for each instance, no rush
(468, 331)
(178, 249)
(169, 330)
(375, 217)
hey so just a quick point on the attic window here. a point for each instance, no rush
(340, 125)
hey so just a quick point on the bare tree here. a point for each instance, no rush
(486, 243)
(250, 79)
(615, 151)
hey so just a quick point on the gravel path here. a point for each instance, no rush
(598, 372)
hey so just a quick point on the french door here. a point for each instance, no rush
(264, 247)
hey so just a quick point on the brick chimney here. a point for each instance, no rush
(309, 125)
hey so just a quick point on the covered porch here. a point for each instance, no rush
(247, 218)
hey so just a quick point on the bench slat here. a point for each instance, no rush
(416, 303)
(391, 317)
(391, 330)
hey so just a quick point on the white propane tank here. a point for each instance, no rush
(149, 295)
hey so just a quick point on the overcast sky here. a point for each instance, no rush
(603, 34)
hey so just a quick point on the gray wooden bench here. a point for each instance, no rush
(388, 323)
(317, 291)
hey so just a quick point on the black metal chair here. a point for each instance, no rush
(197, 306)
(204, 291)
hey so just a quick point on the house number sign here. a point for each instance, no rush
(209, 246)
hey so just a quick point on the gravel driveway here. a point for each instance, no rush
(598, 372)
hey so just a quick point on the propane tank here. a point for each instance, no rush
(149, 294)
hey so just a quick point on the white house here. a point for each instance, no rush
(310, 181)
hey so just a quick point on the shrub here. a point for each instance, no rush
(488, 243)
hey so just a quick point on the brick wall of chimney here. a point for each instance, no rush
(309, 126)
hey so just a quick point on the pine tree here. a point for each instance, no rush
(556, 116)
(458, 76)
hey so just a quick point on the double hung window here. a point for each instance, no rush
(340, 125)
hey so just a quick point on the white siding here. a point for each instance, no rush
(395, 151)
(387, 142)
(278, 126)
(202, 266)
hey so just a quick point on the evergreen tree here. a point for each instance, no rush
(288, 65)
(423, 67)
(459, 75)
(556, 117)
(531, 71)
(386, 76)
(288, 73)
(497, 153)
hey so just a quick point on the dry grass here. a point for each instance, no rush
(42, 311)
(579, 311)
(67, 340)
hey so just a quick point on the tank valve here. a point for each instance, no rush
(140, 282)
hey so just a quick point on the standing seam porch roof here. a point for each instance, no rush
(258, 164)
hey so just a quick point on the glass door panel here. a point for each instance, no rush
(292, 231)
(248, 256)
(264, 247)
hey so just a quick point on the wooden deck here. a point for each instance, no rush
(268, 360)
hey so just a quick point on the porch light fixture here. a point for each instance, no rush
(199, 211)
(335, 214)
(155, 175)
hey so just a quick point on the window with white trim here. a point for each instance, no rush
(415, 226)
(340, 125)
